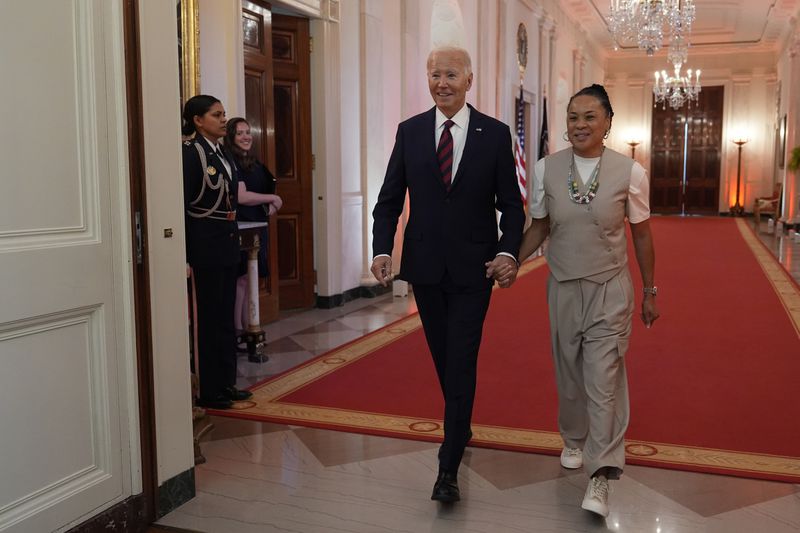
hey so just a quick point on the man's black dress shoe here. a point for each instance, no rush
(445, 489)
(236, 395)
(217, 402)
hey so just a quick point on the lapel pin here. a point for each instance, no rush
(478, 129)
(211, 171)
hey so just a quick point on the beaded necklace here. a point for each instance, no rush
(591, 192)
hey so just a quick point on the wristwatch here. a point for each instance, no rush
(650, 290)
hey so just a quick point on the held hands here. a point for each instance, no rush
(649, 311)
(503, 269)
(382, 269)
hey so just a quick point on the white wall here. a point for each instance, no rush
(368, 74)
(221, 56)
(380, 50)
(169, 321)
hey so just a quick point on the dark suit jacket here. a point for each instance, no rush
(209, 242)
(453, 231)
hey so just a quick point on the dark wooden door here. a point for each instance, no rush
(685, 167)
(292, 105)
(257, 31)
(666, 172)
(704, 145)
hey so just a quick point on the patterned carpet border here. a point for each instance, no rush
(266, 404)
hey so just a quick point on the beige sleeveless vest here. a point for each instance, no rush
(587, 241)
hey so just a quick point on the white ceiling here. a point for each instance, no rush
(757, 25)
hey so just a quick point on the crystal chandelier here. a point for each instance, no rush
(678, 50)
(676, 90)
(643, 21)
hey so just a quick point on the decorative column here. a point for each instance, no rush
(326, 108)
(791, 190)
(381, 74)
(551, 46)
(638, 103)
(578, 64)
(546, 54)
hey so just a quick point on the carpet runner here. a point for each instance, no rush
(714, 385)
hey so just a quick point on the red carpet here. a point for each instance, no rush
(714, 385)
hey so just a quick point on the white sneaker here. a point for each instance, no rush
(571, 458)
(596, 499)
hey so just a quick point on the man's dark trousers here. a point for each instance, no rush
(452, 318)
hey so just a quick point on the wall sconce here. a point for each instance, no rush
(740, 140)
(633, 138)
(633, 144)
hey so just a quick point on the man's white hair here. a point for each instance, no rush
(457, 49)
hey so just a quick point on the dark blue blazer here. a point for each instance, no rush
(210, 242)
(456, 230)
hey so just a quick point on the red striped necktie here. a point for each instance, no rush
(445, 154)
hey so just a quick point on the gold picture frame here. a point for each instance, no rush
(189, 48)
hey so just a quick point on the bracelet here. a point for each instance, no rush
(650, 290)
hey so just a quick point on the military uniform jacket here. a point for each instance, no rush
(210, 201)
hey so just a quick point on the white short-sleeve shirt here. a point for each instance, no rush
(637, 209)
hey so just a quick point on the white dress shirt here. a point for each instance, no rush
(217, 149)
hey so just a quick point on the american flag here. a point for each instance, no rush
(519, 149)
(544, 140)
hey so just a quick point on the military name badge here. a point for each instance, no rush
(211, 171)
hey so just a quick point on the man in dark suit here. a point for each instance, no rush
(458, 168)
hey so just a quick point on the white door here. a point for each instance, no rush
(66, 366)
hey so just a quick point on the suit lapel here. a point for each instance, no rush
(474, 132)
(428, 139)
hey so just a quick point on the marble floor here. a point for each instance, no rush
(785, 246)
(262, 477)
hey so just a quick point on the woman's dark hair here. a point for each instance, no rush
(196, 106)
(244, 159)
(599, 92)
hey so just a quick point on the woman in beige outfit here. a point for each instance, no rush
(581, 198)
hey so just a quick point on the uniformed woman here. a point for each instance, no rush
(581, 198)
(212, 247)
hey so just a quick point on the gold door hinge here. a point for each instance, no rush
(310, 45)
(313, 162)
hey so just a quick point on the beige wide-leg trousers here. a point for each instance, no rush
(590, 326)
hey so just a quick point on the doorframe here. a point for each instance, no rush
(138, 510)
(141, 274)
